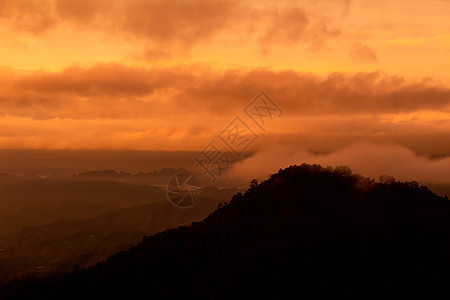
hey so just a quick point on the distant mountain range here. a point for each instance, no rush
(306, 232)
(156, 177)
(164, 172)
(56, 223)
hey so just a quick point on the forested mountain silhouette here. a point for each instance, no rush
(306, 231)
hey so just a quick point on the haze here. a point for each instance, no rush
(351, 76)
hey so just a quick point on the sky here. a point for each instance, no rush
(352, 78)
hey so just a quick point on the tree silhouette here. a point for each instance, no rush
(253, 183)
(305, 232)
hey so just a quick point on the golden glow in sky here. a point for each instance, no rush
(168, 75)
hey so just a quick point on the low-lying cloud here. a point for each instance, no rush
(370, 160)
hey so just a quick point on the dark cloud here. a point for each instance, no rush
(163, 21)
(215, 92)
(173, 23)
(101, 79)
(307, 94)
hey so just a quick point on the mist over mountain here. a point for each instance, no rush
(307, 231)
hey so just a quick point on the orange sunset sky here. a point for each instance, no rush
(355, 79)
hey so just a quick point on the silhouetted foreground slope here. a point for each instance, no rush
(307, 231)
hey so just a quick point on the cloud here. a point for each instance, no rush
(294, 25)
(362, 53)
(308, 94)
(179, 21)
(162, 21)
(174, 24)
(114, 90)
(170, 105)
(370, 160)
(182, 130)
(425, 133)
(83, 12)
(33, 16)
(102, 91)
(287, 26)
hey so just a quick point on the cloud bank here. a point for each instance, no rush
(370, 160)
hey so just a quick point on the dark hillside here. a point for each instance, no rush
(305, 232)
